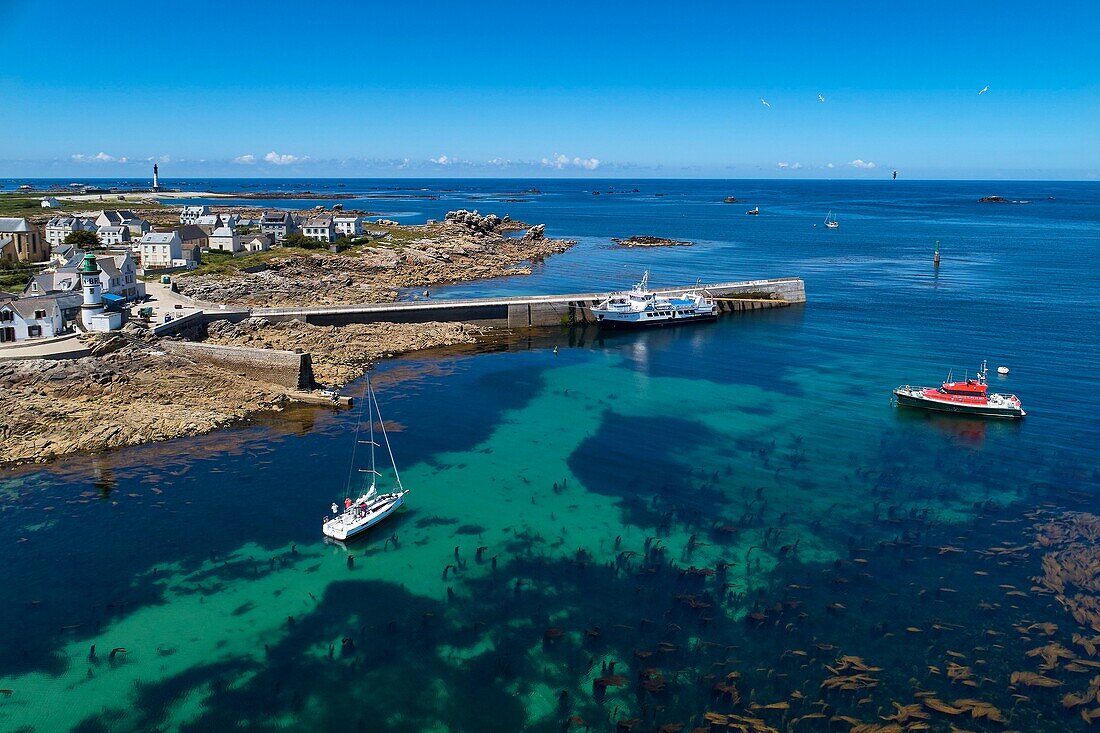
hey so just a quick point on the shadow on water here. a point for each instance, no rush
(914, 610)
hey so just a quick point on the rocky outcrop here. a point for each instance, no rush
(136, 389)
(465, 247)
(128, 394)
(992, 200)
(535, 233)
(730, 200)
(340, 354)
(648, 241)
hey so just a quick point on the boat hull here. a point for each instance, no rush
(908, 398)
(616, 323)
(345, 530)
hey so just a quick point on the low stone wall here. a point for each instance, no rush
(285, 368)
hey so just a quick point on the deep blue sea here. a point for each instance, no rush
(697, 526)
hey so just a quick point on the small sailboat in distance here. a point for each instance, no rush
(831, 222)
(371, 507)
(754, 211)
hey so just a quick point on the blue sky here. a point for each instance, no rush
(576, 89)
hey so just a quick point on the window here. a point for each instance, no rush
(39, 314)
(7, 316)
(34, 331)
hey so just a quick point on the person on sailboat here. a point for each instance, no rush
(347, 504)
(335, 509)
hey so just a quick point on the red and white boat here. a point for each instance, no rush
(968, 397)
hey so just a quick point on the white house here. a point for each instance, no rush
(349, 226)
(256, 242)
(117, 275)
(230, 220)
(51, 203)
(114, 236)
(320, 228)
(189, 214)
(34, 318)
(209, 223)
(161, 250)
(278, 224)
(60, 227)
(123, 218)
(225, 239)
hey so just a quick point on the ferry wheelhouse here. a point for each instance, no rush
(967, 397)
(640, 307)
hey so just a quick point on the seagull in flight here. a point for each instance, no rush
(984, 90)
(764, 102)
(820, 98)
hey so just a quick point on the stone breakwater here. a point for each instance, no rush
(469, 247)
(132, 390)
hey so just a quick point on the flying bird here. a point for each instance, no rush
(895, 175)
(820, 98)
(764, 102)
(984, 90)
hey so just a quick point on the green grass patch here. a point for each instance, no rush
(28, 205)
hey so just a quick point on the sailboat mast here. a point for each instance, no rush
(354, 447)
(370, 417)
(386, 440)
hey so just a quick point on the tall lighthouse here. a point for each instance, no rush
(156, 178)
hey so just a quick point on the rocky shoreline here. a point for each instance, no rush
(466, 246)
(129, 391)
(645, 240)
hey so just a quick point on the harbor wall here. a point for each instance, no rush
(289, 369)
(533, 311)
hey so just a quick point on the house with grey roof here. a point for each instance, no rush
(50, 203)
(34, 318)
(123, 218)
(278, 224)
(20, 241)
(60, 227)
(225, 239)
(160, 249)
(347, 225)
(209, 223)
(117, 276)
(189, 214)
(256, 242)
(320, 228)
(114, 236)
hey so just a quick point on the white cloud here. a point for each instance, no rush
(97, 158)
(788, 166)
(246, 159)
(159, 159)
(442, 160)
(857, 163)
(277, 159)
(830, 165)
(559, 161)
(499, 162)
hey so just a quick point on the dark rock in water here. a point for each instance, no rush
(595, 193)
(649, 241)
(992, 200)
(730, 200)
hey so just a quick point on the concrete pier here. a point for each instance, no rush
(531, 311)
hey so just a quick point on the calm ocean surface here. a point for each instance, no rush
(625, 531)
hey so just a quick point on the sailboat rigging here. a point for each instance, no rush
(371, 507)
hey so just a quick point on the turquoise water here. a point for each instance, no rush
(604, 528)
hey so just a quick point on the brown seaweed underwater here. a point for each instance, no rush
(710, 608)
(930, 627)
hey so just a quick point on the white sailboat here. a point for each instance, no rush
(831, 222)
(371, 507)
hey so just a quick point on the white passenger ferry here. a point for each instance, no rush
(641, 307)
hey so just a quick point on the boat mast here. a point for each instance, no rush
(354, 446)
(386, 440)
(373, 469)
